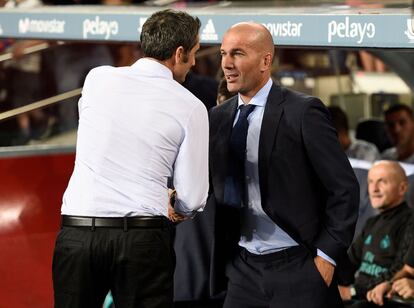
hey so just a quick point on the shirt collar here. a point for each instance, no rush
(261, 96)
(152, 68)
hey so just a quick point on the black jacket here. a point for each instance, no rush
(307, 185)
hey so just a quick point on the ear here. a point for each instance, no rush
(403, 188)
(267, 62)
(179, 54)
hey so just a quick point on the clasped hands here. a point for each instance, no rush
(404, 287)
(172, 214)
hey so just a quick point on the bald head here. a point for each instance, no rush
(256, 35)
(246, 58)
(387, 184)
(393, 168)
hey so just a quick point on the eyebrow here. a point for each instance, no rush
(232, 50)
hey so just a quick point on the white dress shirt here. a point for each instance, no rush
(137, 127)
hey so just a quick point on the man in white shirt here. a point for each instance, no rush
(137, 127)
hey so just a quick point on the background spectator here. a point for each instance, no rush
(400, 127)
(358, 149)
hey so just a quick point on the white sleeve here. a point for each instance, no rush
(191, 165)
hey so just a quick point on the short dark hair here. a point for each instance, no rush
(398, 108)
(166, 30)
(339, 119)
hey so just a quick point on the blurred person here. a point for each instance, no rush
(24, 72)
(68, 65)
(138, 127)
(371, 63)
(377, 254)
(223, 93)
(203, 87)
(399, 123)
(286, 195)
(358, 149)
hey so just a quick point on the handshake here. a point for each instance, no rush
(172, 215)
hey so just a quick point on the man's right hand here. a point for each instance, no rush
(376, 295)
(174, 216)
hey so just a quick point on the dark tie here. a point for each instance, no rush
(234, 187)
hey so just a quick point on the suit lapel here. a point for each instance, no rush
(270, 124)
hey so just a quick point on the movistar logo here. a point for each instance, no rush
(27, 25)
(209, 32)
(410, 31)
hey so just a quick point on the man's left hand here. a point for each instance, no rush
(325, 268)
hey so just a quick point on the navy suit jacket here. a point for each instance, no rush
(307, 185)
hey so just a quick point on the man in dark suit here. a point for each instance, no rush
(287, 198)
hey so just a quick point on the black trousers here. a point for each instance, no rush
(286, 279)
(137, 265)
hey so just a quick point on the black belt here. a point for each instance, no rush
(284, 254)
(116, 222)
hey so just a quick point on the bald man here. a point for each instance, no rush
(287, 198)
(378, 252)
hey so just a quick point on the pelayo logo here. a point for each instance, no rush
(350, 30)
(98, 27)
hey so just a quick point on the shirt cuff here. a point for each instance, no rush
(179, 209)
(321, 254)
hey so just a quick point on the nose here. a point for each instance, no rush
(373, 187)
(398, 128)
(226, 62)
